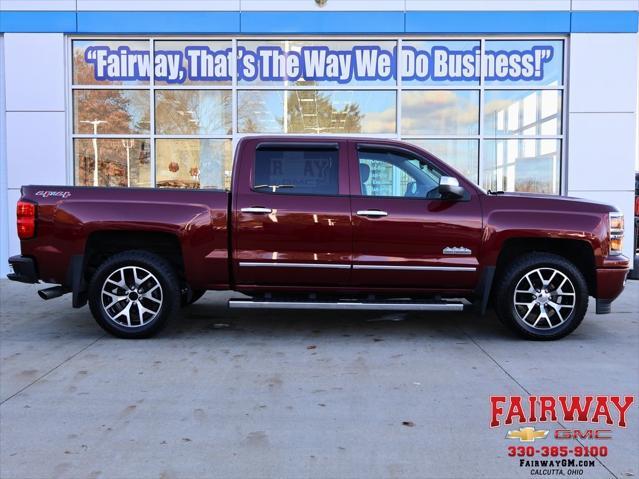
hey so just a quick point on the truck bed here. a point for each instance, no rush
(68, 216)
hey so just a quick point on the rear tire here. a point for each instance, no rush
(541, 296)
(133, 294)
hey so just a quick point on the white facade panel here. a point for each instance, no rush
(603, 72)
(35, 66)
(42, 5)
(330, 5)
(14, 242)
(4, 204)
(602, 151)
(487, 5)
(158, 5)
(36, 148)
(605, 4)
(602, 122)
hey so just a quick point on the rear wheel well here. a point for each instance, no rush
(576, 251)
(103, 244)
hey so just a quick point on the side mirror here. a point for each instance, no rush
(449, 188)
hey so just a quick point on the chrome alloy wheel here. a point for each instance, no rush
(544, 298)
(131, 296)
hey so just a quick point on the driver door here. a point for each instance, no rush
(403, 232)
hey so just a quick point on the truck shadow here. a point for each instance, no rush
(212, 315)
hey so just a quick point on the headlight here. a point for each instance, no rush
(615, 232)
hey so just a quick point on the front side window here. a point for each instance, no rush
(296, 171)
(385, 173)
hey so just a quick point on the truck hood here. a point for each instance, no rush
(536, 201)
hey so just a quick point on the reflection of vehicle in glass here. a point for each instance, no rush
(634, 274)
(324, 223)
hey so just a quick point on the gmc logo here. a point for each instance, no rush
(583, 434)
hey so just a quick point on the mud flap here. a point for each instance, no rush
(75, 279)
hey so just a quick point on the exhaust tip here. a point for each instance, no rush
(53, 292)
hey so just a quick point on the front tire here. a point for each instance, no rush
(542, 296)
(133, 294)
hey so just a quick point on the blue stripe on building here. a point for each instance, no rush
(158, 22)
(322, 22)
(421, 22)
(604, 22)
(488, 22)
(21, 21)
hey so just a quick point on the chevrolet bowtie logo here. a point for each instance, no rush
(527, 434)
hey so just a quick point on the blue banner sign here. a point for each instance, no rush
(319, 63)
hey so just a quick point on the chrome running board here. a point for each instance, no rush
(352, 305)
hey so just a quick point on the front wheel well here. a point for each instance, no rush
(102, 245)
(578, 252)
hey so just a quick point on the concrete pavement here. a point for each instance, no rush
(287, 394)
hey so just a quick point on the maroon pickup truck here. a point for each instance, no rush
(324, 223)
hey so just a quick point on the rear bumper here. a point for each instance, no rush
(24, 269)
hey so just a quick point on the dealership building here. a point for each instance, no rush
(528, 95)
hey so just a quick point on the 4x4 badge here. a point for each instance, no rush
(456, 250)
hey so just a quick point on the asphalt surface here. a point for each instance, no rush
(287, 394)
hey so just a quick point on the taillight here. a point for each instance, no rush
(26, 214)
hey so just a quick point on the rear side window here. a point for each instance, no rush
(297, 171)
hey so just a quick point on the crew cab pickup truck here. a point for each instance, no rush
(324, 223)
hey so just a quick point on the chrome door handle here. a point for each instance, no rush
(257, 209)
(378, 213)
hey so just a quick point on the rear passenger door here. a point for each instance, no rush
(292, 215)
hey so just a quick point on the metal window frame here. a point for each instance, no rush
(398, 87)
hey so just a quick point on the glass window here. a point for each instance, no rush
(317, 111)
(260, 111)
(193, 112)
(535, 62)
(120, 162)
(284, 171)
(437, 62)
(522, 112)
(193, 62)
(193, 163)
(440, 112)
(462, 155)
(527, 165)
(108, 62)
(459, 97)
(111, 111)
(384, 173)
